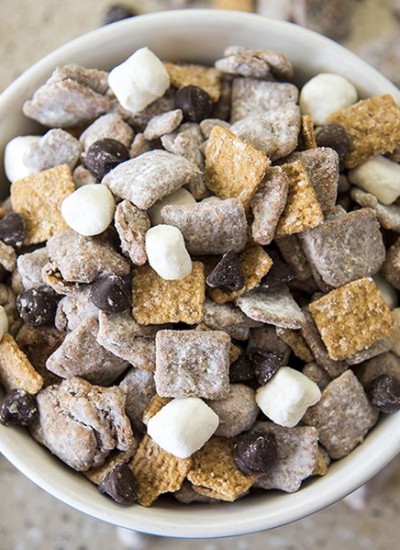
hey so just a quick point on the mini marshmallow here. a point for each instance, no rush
(183, 426)
(287, 396)
(166, 252)
(139, 81)
(388, 292)
(181, 196)
(3, 322)
(89, 210)
(325, 94)
(14, 152)
(379, 176)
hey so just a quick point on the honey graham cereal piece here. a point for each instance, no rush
(343, 416)
(157, 471)
(157, 301)
(38, 199)
(373, 125)
(206, 78)
(192, 363)
(351, 318)
(323, 462)
(307, 132)
(234, 169)
(296, 342)
(317, 374)
(16, 371)
(155, 405)
(187, 495)
(377, 348)
(386, 363)
(132, 224)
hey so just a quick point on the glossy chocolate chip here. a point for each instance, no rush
(335, 137)
(120, 484)
(194, 102)
(18, 408)
(265, 364)
(241, 370)
(104, 155)
(255, 453)
(111, 294)
(37, 306)
(280, 272)
(117, 12)
(384, 393)
(228, 273)
(12, 229)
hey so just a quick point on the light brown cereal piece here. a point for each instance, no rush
(74, 308)
(132, 224)
(322, 165)
(192, 363)
(386, 363)
(215, 495)
(388, 216)
(351, 318)
(221, 316)
(268, 204)
(296, 342)
(381, 346)
(302, 210)
(149, 177)
(208, 124)
(16, 371)
(293, 254)
(157, 471)
(343, 416)
(120, 334)
(115, 458)
(142, 145)
(186, 141)
(240, 5)
(298, 456)
(279, 64)
(234, 353)
(82, 424)
(251, 96)
(234, 169)
(8, 257)
(323, 462)
(56, 147)
(255, 263)
(139, 387)
(157, 301)
(209, 227)
(38, 199)
(30, 267)
(163, 124)
(206, 78)
(214, 468)
(7, 300)
(373, 125)
(16, 282)
(266, 339)
(275, 307)
(307, 132)
(81, 355)
(82, 176)
(154, 406)
(187, 495)
(52, 277)
(94, 79)
(82, 259)
(111, 125)
(317, 374)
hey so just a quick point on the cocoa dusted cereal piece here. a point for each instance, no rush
(139, 387)
(186, 142)
(334, 137)
(111, 125)
(163, 124)
(187, 495)
(340, 314)
(192, 364)
(279, 65)
(74, 308)
(226, 317)
(296, 342)
(317, 374)
(343, 416)
(292, 252)
(132, 224)
(30, 267)
(206, 78)
(265, 340)
(16, 371)
(384, 364)
(387, 215)
(384, 393)
(208, 124)
(81, 424)
(38, 199)
(56, 147)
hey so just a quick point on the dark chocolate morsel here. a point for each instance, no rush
(241, 370)
(384, 393)
(12, 229)
(18, 408)
(111, 293)
(265, 364)
(37, 306)
(104, 155)
(228, 273)
(280, 272)
(194, 102)
(117, 12)
(255, 453)
(120, 484)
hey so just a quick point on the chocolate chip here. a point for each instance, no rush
(280, 272)
(384, 393)
(12, 229)
(104, 155)
(194, 102)
(37, 306)
(120, 484)
(255, 453)
(265, 364)
(228, 273)
(335, 137)
(117, 12)
(241, 370)
(18, 408)
(111, 294)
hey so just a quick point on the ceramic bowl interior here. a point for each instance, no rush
(197, 36)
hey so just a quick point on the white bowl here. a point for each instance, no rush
(198, 35)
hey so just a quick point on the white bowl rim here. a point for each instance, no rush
(190, 521)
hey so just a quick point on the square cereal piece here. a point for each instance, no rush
(351, 318)
(214, 468)
(38, 199)
(192, 363)
(206, 78)
(154, 406)
(292, 252)
(296, 342)
(157, 301)
(302, 210)
(16, 371)
(157, 471)
(255, 263)
(373, 125)
(234, 169)
(343, 416)
(388, 215)
(379, 347)
(317, 374)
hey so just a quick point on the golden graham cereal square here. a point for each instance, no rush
(16, 371)
(206, 78)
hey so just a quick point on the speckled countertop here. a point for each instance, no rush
(29, 518)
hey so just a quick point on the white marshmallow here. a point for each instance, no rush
(183, 426)
(166, 252)
(379, 176)
(388, 292)
(181, 196)
(287, 396)
(139, 81)
(3, 322)
(14, 152)
(89, 210)
(325, 94)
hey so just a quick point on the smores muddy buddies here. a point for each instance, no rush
(199, 274)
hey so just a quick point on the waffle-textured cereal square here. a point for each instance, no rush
(16, 371)
(206, 78)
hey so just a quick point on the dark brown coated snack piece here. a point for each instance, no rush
(74, 308)
(104, 155)
(384, 393)
(265, 338)
(335, 137)
(139, 387)
(12, 229)
(317, 374)
(111, 293)
(120, 484)
(194, 102)
(384, 364)
(30, 267)
(37, 306)
(228, 273)
(387, 215)
(292, 252)
(265, 363)
(241, 370)
(255, 453)
(18, 408)
(391, 267)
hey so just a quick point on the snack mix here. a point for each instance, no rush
(199, 274)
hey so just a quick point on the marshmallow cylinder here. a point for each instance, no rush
(166, 252)
(378, 176)
(14, 152)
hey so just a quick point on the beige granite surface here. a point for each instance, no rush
(29, 518)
